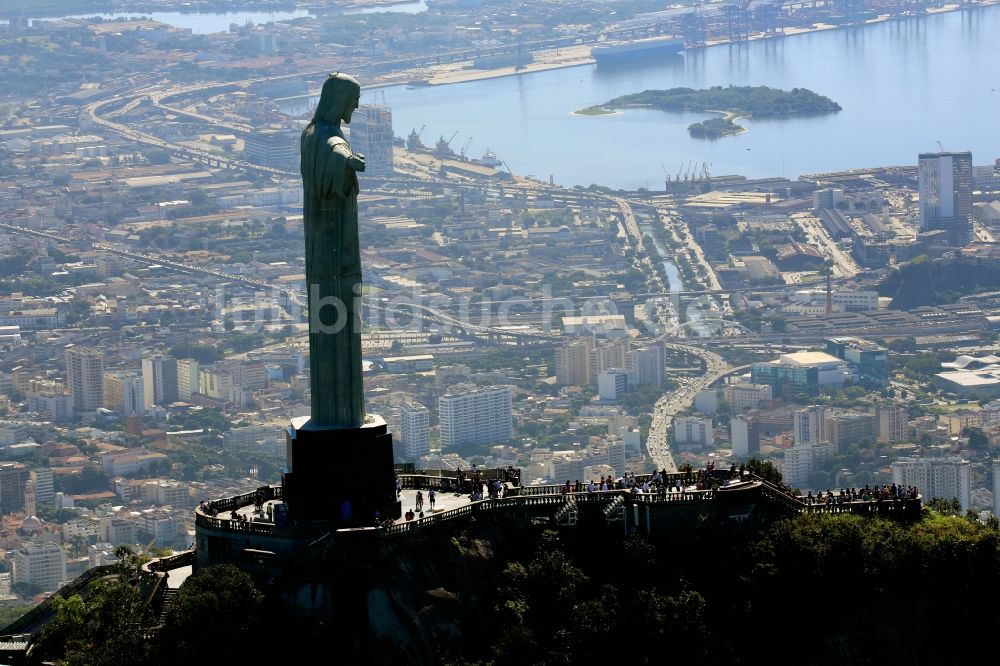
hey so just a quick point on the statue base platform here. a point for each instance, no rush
(330, 466)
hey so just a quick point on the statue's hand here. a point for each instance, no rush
(356, 161)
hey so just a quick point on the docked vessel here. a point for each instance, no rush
(489, 159)
(634, 49)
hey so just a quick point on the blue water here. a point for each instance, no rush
(903, 85)
(209, 22)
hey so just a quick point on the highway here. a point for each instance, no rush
(657, 442)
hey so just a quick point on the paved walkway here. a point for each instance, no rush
(442, 502)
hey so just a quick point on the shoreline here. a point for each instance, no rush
(557, 58)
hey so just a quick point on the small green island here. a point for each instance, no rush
(732, 101)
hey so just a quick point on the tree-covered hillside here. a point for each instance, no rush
(816, 589)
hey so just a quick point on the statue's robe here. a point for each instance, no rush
(333, 277)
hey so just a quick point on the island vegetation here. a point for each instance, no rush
(731, 101)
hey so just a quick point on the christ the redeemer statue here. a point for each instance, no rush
(333, 258)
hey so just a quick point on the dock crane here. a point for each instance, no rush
(466, 147)
(666, 177)
(679, 169)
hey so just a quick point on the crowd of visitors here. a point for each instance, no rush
(887, 492)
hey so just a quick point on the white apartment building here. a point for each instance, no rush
(168, 492)
(802, 460)
(81, 528)
(707, 401)
(476, 415)
(612, 384)
(693, 431)
(809, 425)
(165, 528)
(42, 564)
(85, 377)
(415, 430)
(605, 355)
(744, 397)
(646, 366)
(44, 486)
(946, 478)
(118, 529)
(159, 380)
(744, 435)
(124, 393)
(187, 378)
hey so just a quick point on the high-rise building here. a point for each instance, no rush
(802, 460)
(476, 415)
(85, 378)
(44, 487)
(124, 393)
(275, 148)
(187, 378)
(944, 478)
(809, 425)
(996, 487)
(159, 380)
(41, 564)
(607, 354)
(892, 422)
(693, 430)
(13, 478)
(30, 501)
(414, 426)
(612, 384)
(216, 382)
(573, 363)
(645, 366)
(842, 430)
(945, 187)
(371, 135)
(744, 433)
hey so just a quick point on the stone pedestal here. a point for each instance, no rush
(326, 466)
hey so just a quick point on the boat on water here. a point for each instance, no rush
(634, 49)
(489, 159)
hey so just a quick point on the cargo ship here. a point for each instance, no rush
(635, 49)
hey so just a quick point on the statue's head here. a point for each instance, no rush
(338, 99)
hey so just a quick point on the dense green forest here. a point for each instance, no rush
(713, 128)
(933, 282)
(754, 101)
(819, 589)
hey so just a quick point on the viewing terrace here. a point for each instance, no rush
(248, 514)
